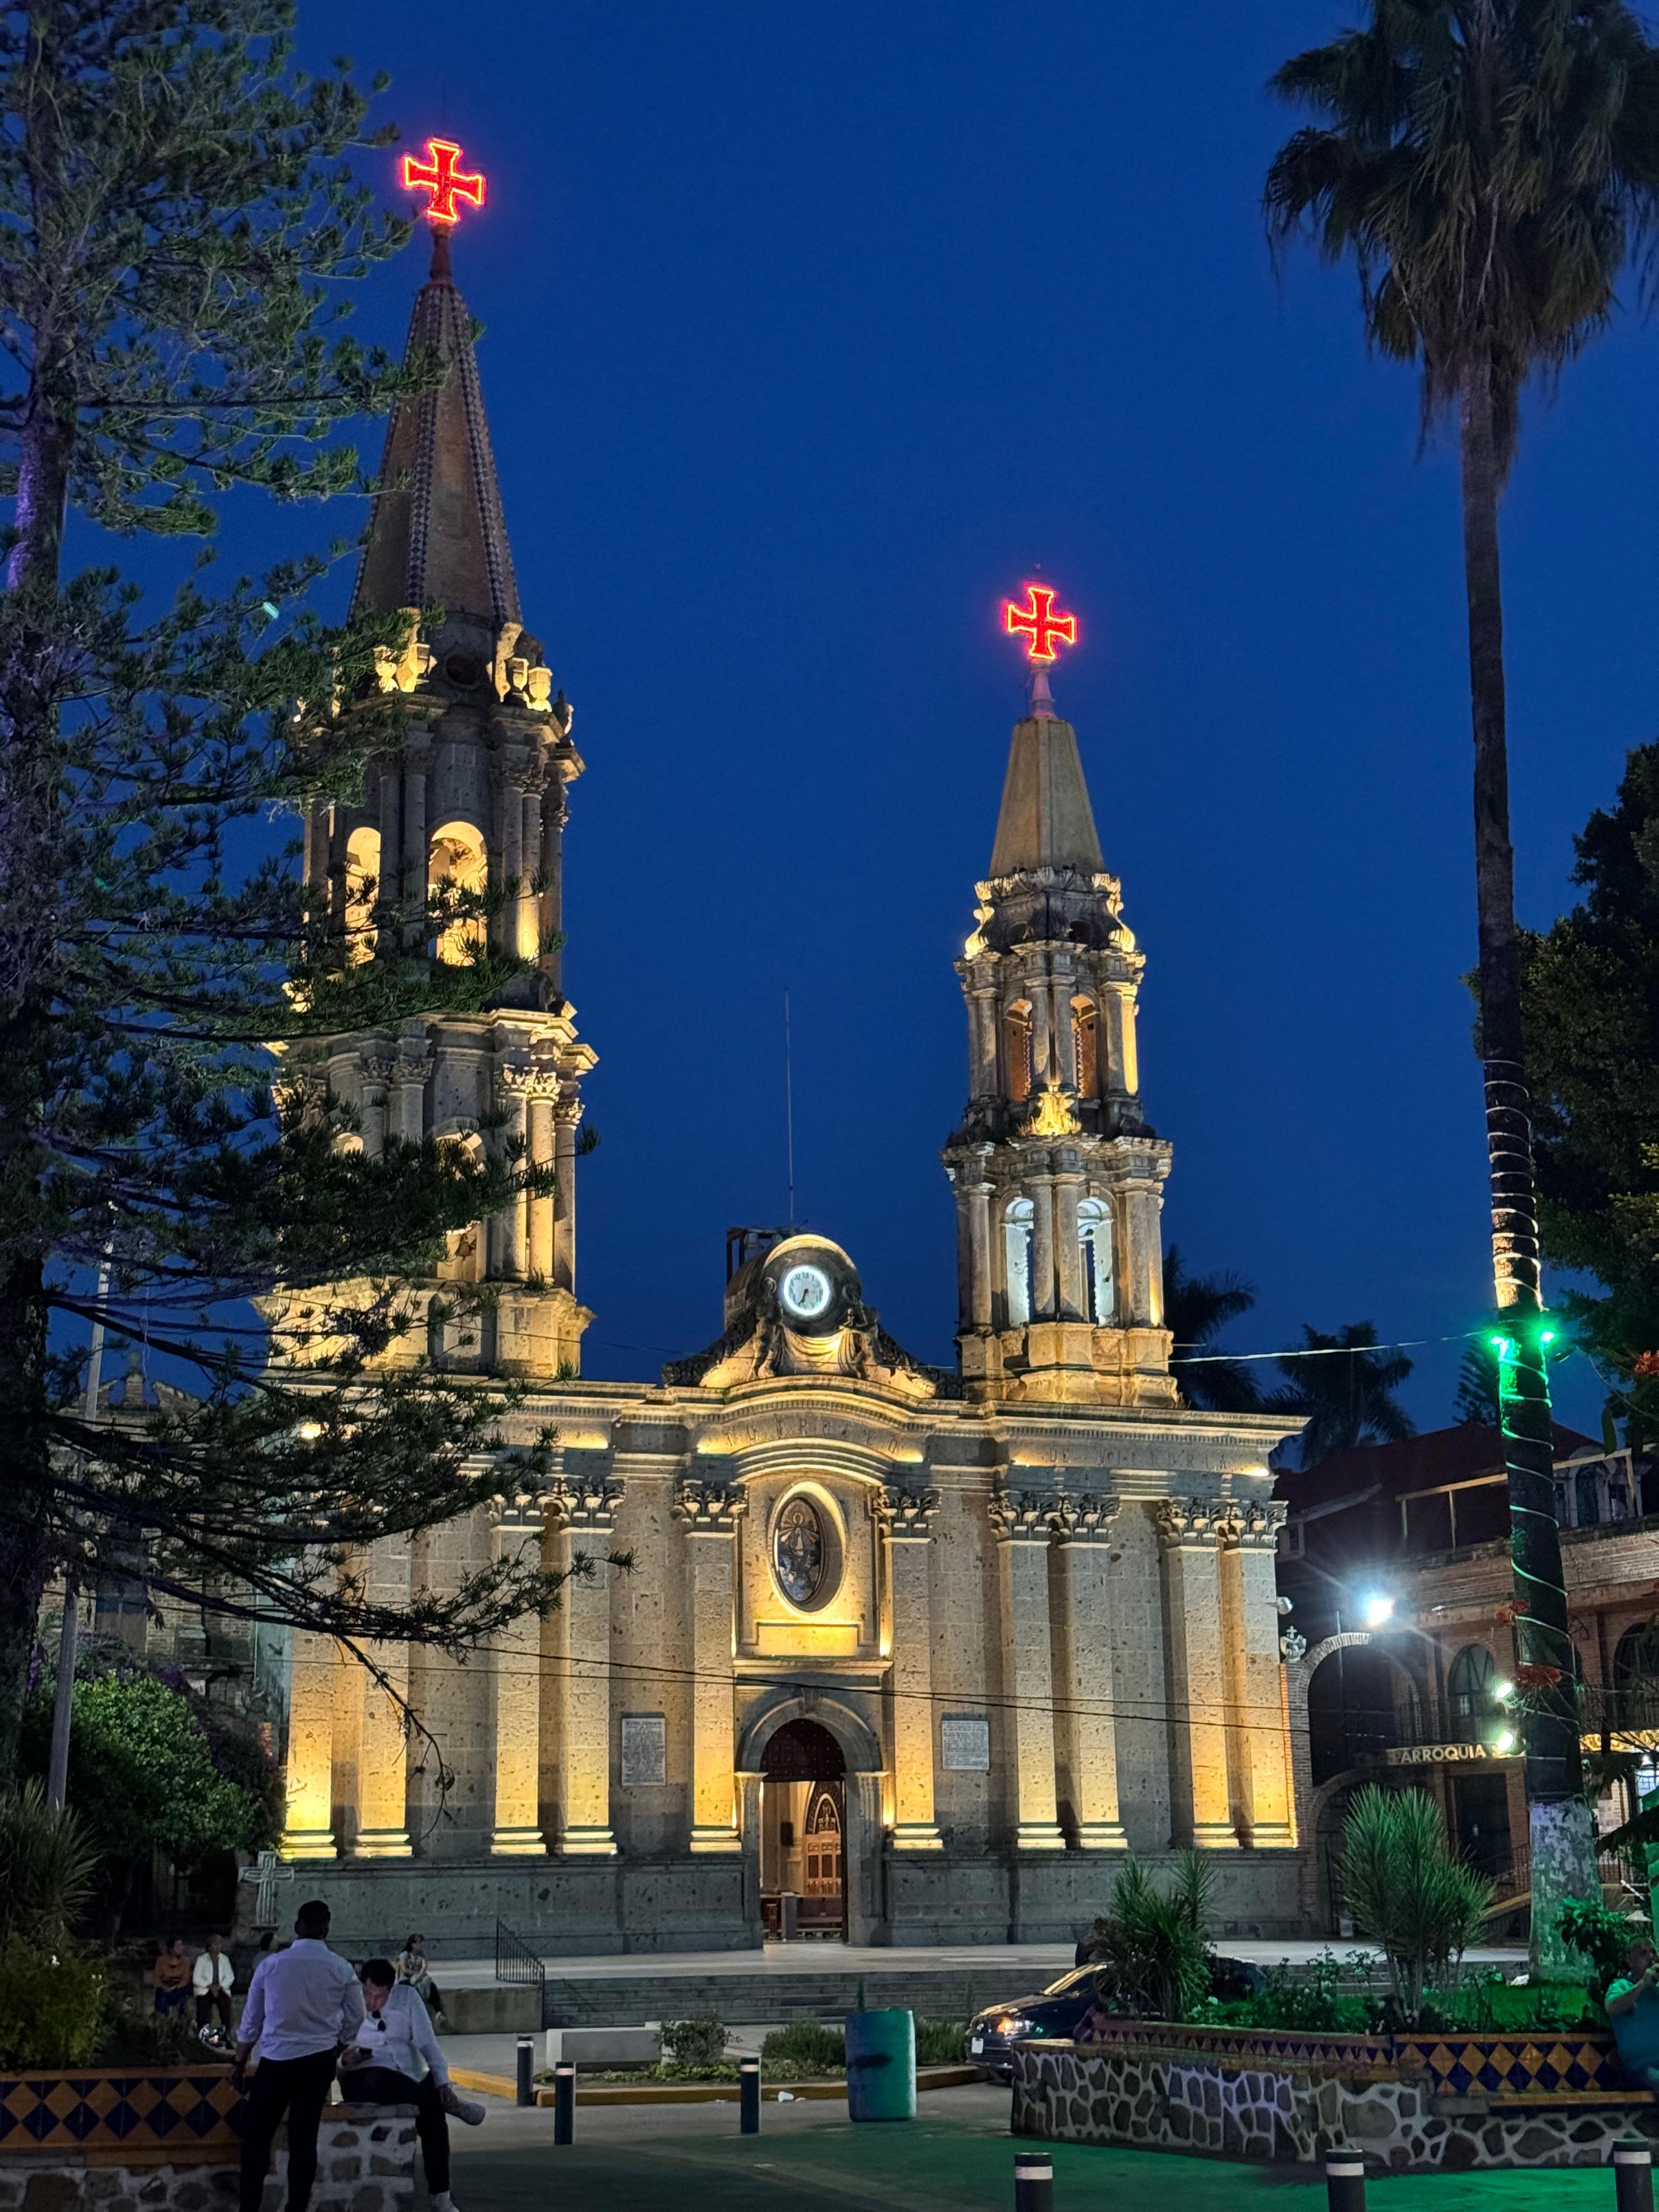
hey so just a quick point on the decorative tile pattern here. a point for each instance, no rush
(202, 2107)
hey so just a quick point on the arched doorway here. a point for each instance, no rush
(803, 1832)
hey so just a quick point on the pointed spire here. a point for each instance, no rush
(1046, 820)
(438, 532)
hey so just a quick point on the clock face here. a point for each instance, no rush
(805, 1293)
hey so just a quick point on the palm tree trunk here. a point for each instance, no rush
(1562, 1852)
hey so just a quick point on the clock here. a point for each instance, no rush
(805, 1293)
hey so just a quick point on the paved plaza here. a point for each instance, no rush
(957, 2156)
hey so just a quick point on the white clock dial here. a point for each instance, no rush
(804, 1293)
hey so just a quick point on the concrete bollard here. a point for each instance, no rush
(748, 2097)
(564, 2102)
(1033, 2181)
(1633, 2175)
(1345, 2180)
(527, 2069)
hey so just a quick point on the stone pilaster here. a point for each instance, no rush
(314, 1683)
(1023, 1526)
(1084, 1692)
(583, 1518)
(709, 1513)
(1144, 1162)
(1198, 1675)
(511, 1226)
(1264, 1793)
(415, 852)
(377, 1074)
(1069, 1190)
(516, 1694)
(567, 1113)
(382, 1830)
(907, 1520)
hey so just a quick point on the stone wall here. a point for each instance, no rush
(365, 2163)
(1162, 2099)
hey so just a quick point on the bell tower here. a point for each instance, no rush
(1058, 1179)
(474, 795)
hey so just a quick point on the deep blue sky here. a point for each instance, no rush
(809, 332)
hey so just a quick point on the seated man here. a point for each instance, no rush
(171, 1977)
(396, 2061)
(1633, 2013)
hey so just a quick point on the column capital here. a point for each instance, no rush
(586, 1508)
(1189, 1523)
(521, 1511)
(1025, 1517)
(906, 1515)
(1086, 1518)
(1252, 1525)
(708, 1508)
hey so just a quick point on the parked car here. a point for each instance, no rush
(1053, 2014)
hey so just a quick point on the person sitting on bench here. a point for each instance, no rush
(1633, 2014)
(396, 2060)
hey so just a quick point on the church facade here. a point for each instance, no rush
(908, 1655)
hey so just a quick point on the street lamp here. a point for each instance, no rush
(1376, 1610)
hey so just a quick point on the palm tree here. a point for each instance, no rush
(1196, 1309)
(1490, 165)
(1344, 1389)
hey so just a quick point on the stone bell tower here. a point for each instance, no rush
(475, 795)
(1058, 1179)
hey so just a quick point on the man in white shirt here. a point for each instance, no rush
(397, 2062)
(303, 2004)
(213, 1980)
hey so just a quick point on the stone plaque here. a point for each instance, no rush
(644, 1751)
(964, 1743)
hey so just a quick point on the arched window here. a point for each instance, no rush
(1094, 1236)
(1469, 1688)
(1085, 1047)
(1017, 1253)
(1017, 1040)
(1636, 1674)
(362, 888)
(458, 864)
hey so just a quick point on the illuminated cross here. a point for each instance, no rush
(438, 176)
(1039, 624)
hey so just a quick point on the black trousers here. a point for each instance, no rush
(379, 2085)
(298, 2087)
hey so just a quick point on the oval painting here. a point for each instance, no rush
(798, 1551)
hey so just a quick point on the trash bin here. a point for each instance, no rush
(881, 2065)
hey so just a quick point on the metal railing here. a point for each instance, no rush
(517, 1963)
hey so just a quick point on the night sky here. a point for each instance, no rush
(812, 332)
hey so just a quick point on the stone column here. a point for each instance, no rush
(1040, 1033)
(1068, 1189)
(314, 1682)
(1042, 1190)
(1264, 1791)
(555, 815)
(529, 907)
(511, 1225)
(979, 1233)
(408, 1087)
(391, 829)
(981, 1041)
(909, 1533)
(509, 815)
(709, 1513)
(1197, 1672)
(1121, 1071)
(515, 1700)
(584, 1517)
(1059, 987)
(1083, 1692)
(416, 857)
(376, 1074)
(567, 1113)
(383, 1756)
(1145, 1162)
(1022, 1526)
(544, 1090)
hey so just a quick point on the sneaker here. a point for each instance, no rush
(443, 2202)
(467, 2110)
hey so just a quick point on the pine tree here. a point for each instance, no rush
(180, 218)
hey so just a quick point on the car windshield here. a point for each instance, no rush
(1078, 1975)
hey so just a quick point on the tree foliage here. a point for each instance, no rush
(181, 217)
(1592, 1012)
(1343, 1387)
(1196, 1309)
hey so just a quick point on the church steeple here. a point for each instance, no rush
(438, 531)
(473, 796)
(1057, 1177)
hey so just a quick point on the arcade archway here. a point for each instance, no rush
(803, 1832)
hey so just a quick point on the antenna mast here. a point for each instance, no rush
(789, 1105)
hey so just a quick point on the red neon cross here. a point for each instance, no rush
(1040, 621)
(438, 176)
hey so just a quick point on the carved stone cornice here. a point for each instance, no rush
(584, 1508)
(708, 1508)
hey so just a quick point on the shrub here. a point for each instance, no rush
(700, 2041)
(53, 1996)
(1605, 1936)
(47, 1865)
(806, 2047)
(1152, 1946)
(1421, 1905)
(941, 2042)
